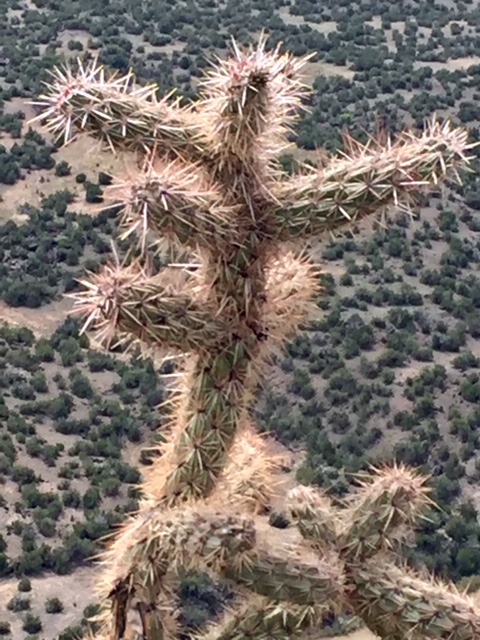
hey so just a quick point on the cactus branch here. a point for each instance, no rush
(249, 98)
(172, 202)
(316, 517)
(260, 619)
(291, 573)
(125, 300)
(292, 282)
(250, 479)
(387, 500)
(394, 599)
(159, 542)
(124, 117)
(369, 179)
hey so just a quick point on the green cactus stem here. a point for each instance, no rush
(116, 112)
(371, 178)
(249, 102)
(314, 514)
(250, 480)
(396, 603)
(386, 501)
(127, 301)
(258, 618)
(157, 543)
(175, 202)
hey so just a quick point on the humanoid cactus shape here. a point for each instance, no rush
(211, 188)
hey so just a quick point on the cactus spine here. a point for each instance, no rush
(211, 187)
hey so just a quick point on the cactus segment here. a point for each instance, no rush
(387, 500)
(367, 179)
(126, 300)
(249, 99)
(293, 574)
(110, 108)
(315, 516)
(395, 599)
(260, 619)
(173, 202)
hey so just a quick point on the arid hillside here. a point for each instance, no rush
(390, 368)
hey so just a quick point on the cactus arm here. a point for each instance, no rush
(387, 501)
(292, 281)
(316, 517)
(249, 99)
(300, 582)
(159, 543)
(367, 180)
(126, 301)
(396, 603)
(111, 110)
(289, 572)
(251, 477)
(263, 620)
(175, 202)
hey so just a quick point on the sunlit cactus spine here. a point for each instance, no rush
(211, 191)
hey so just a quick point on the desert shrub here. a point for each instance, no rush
(32, 624)
(18, 603)
(54, 605)
(24, 585)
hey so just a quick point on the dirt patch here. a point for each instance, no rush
(75, 592)
(325, 26)
(41, 323)
(84, 155)
(451, 65)
(315, 69)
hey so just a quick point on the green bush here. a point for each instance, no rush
(17, 604)
(54, 605)
(31, 623)
(72, 633)
(24, 585)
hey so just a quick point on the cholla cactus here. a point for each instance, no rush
(211, 189)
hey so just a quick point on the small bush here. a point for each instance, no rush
(32, 624)
(54, 605)
(17, 604)
(24, 585)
